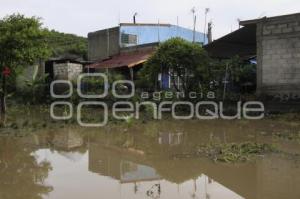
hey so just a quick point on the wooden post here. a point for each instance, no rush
(131, 74)
(3, 104)
(225, 83)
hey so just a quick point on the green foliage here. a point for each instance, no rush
(293, 136)
(11, 80)
(34, 91)
(239, 73)
(22, 41)
(94, 85)
(234, 152)
(129, 120)
(187, 60)
(66, 44)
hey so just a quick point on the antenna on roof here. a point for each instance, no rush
(193, 10)
(134, 17)
(205, 18)
(209, 32)
(262, 14)
(239, 20)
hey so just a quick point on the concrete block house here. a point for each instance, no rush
(127, 47)
(275, 44)
(278, 55)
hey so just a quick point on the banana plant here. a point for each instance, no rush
(35, 84)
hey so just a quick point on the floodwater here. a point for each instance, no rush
(139, 161)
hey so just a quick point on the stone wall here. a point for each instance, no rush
(67, 71)
(278, 56)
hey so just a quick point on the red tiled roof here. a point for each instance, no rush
(129, 59)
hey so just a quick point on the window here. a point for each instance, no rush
(128, 39)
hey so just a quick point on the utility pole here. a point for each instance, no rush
(158, 33)
(108, 43)
(225, 82)
(209, 32)
(194, 24)
(205, 19)
(177, 23)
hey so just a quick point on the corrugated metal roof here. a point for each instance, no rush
(241, 42)
(130, 59)
(255, 21)
(145, 24)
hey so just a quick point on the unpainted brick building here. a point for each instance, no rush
(275, 43)
(278, 55)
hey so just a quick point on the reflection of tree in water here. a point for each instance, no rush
(21, 175)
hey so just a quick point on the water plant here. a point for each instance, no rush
(128, 120)
(294, 136)
(235, 152)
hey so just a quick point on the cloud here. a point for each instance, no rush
(81, 17)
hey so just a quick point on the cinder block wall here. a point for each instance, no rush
(67, 71)
(103, 43)
(278, 56)
(74, 70)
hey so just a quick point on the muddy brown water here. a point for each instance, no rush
(138, 162)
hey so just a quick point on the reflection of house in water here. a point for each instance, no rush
(119, 165)
(133, 172)
(67, 140)
(207, 188)
(170, 138)
(69, 143)
(64, 139)
(194, 177)
(142, 177)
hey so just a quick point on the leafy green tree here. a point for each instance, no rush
(240, 75)
(62, 44)
(180, 58)
(22, 43)
(35, 88)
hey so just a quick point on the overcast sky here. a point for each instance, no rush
(83, 16)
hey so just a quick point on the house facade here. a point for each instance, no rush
(275, 44)
(108, 42)
(278, 55)
(125, 48)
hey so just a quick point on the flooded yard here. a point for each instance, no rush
(152, 159)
